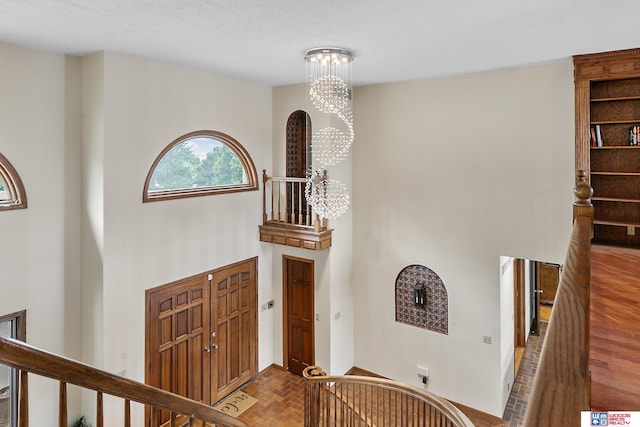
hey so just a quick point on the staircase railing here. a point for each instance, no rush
(562, 384)
(27, 359)
(373, 402)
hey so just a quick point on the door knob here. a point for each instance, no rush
(214, 346)
(207, 350)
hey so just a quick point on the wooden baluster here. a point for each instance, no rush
(62, 405)
(172, 416)
(127, 413)
(24, 400)
(300, 190)
(264, 196)
(99, 410)
(154, 417)
(272, 201)
(279, 208)
(293, 209)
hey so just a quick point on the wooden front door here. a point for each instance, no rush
(177, 335)
(234, 338)
(201, 333)
(299, 332)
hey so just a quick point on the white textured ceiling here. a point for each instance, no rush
(264, 40)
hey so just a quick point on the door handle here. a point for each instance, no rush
(211, 347)
(538, 291)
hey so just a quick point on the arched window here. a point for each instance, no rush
(198, 164)
(12, 194)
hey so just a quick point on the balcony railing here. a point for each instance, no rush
(287, 219)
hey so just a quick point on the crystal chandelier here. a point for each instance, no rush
(329, 92)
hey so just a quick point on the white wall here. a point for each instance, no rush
(451, 173)
(35, 241)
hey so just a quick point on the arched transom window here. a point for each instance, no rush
(198, 164)
(12, 194)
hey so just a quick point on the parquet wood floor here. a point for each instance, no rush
(280, 397)
(615, 328)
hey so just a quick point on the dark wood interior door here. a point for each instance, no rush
(177, 330)
(298, 161)
(549, 276)
(234, 338)
(299, 331)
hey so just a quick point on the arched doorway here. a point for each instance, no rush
(298, 159)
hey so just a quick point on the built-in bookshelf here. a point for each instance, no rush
(607, 132)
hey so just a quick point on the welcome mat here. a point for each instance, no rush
(235, 404)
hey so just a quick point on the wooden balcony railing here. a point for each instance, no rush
(373, 402)
(562, 385)
(27, 359)
(287, 219)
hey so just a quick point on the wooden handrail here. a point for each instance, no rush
(562, 384)
(339, 400)
(28, 359)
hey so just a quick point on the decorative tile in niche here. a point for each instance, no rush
(434, 314)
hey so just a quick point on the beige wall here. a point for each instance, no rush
(34, 272)
(451, 173)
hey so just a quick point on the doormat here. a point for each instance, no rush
(235, 404)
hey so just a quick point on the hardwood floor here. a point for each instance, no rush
(615, 328)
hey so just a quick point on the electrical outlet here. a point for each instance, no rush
(270, 304)
(631, 230)
(423, 373)
(486, 339)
